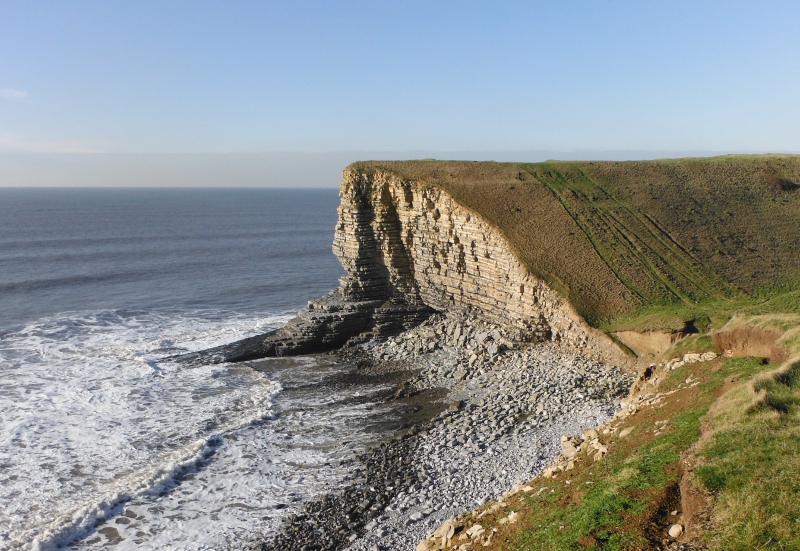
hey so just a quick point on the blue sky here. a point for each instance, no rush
(169, 79)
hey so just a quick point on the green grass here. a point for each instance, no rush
(603, 508)
(600, 511)
(788, 301)
(705, 315)
(752, 464)
(743, 368)
(781, 393)
(622, 483)
(693, 343)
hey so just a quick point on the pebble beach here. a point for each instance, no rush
(507, 403)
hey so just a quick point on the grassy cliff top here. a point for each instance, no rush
(639, 239)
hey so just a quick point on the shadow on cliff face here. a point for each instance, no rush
(328, 323)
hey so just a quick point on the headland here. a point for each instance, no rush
(552, 302)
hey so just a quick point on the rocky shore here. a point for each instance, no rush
(509, 404)
(433, 289)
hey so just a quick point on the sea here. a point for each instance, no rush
(106, 443)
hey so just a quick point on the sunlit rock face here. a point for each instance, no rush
(412, 242)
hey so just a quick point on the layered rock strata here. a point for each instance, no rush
(325, 324)
(412, 242)
(408, 250)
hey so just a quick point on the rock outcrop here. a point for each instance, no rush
(409, 249)
(413, 242)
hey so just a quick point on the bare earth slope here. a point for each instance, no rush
(614, 237)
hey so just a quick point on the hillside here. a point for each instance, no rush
(622, 239)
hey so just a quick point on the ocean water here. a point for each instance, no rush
(103, 443)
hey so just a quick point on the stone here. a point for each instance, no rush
(675, 531)
(446, 530)
(550, 472)
(625, 432)
(568, 448)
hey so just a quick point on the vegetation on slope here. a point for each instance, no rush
(627, 241)
(642, 487)
(714, 451)
(751, 464)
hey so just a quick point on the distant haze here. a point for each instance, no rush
(249, 169)
(154, 93)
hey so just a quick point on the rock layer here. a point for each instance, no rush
(412, 242)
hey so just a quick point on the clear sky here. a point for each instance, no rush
(90, 89)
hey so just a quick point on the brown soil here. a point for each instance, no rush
(695, 500)
(752, 341)
(781, 184)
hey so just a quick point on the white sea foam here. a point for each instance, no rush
(102, 444)
(90, 419)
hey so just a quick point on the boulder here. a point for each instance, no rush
(675, 531)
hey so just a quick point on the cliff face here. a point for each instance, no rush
(413, 243)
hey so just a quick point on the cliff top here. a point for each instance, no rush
(640, 243)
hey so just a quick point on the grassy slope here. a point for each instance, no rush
(626, 501)
(644, 242)
(757, 484)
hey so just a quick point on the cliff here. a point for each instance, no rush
(545, 248)
(618, 238)
(411, 242)
(409, 249)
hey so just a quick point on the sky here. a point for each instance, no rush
(277, 93)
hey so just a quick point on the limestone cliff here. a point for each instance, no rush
(409, 249)
(410, 241)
